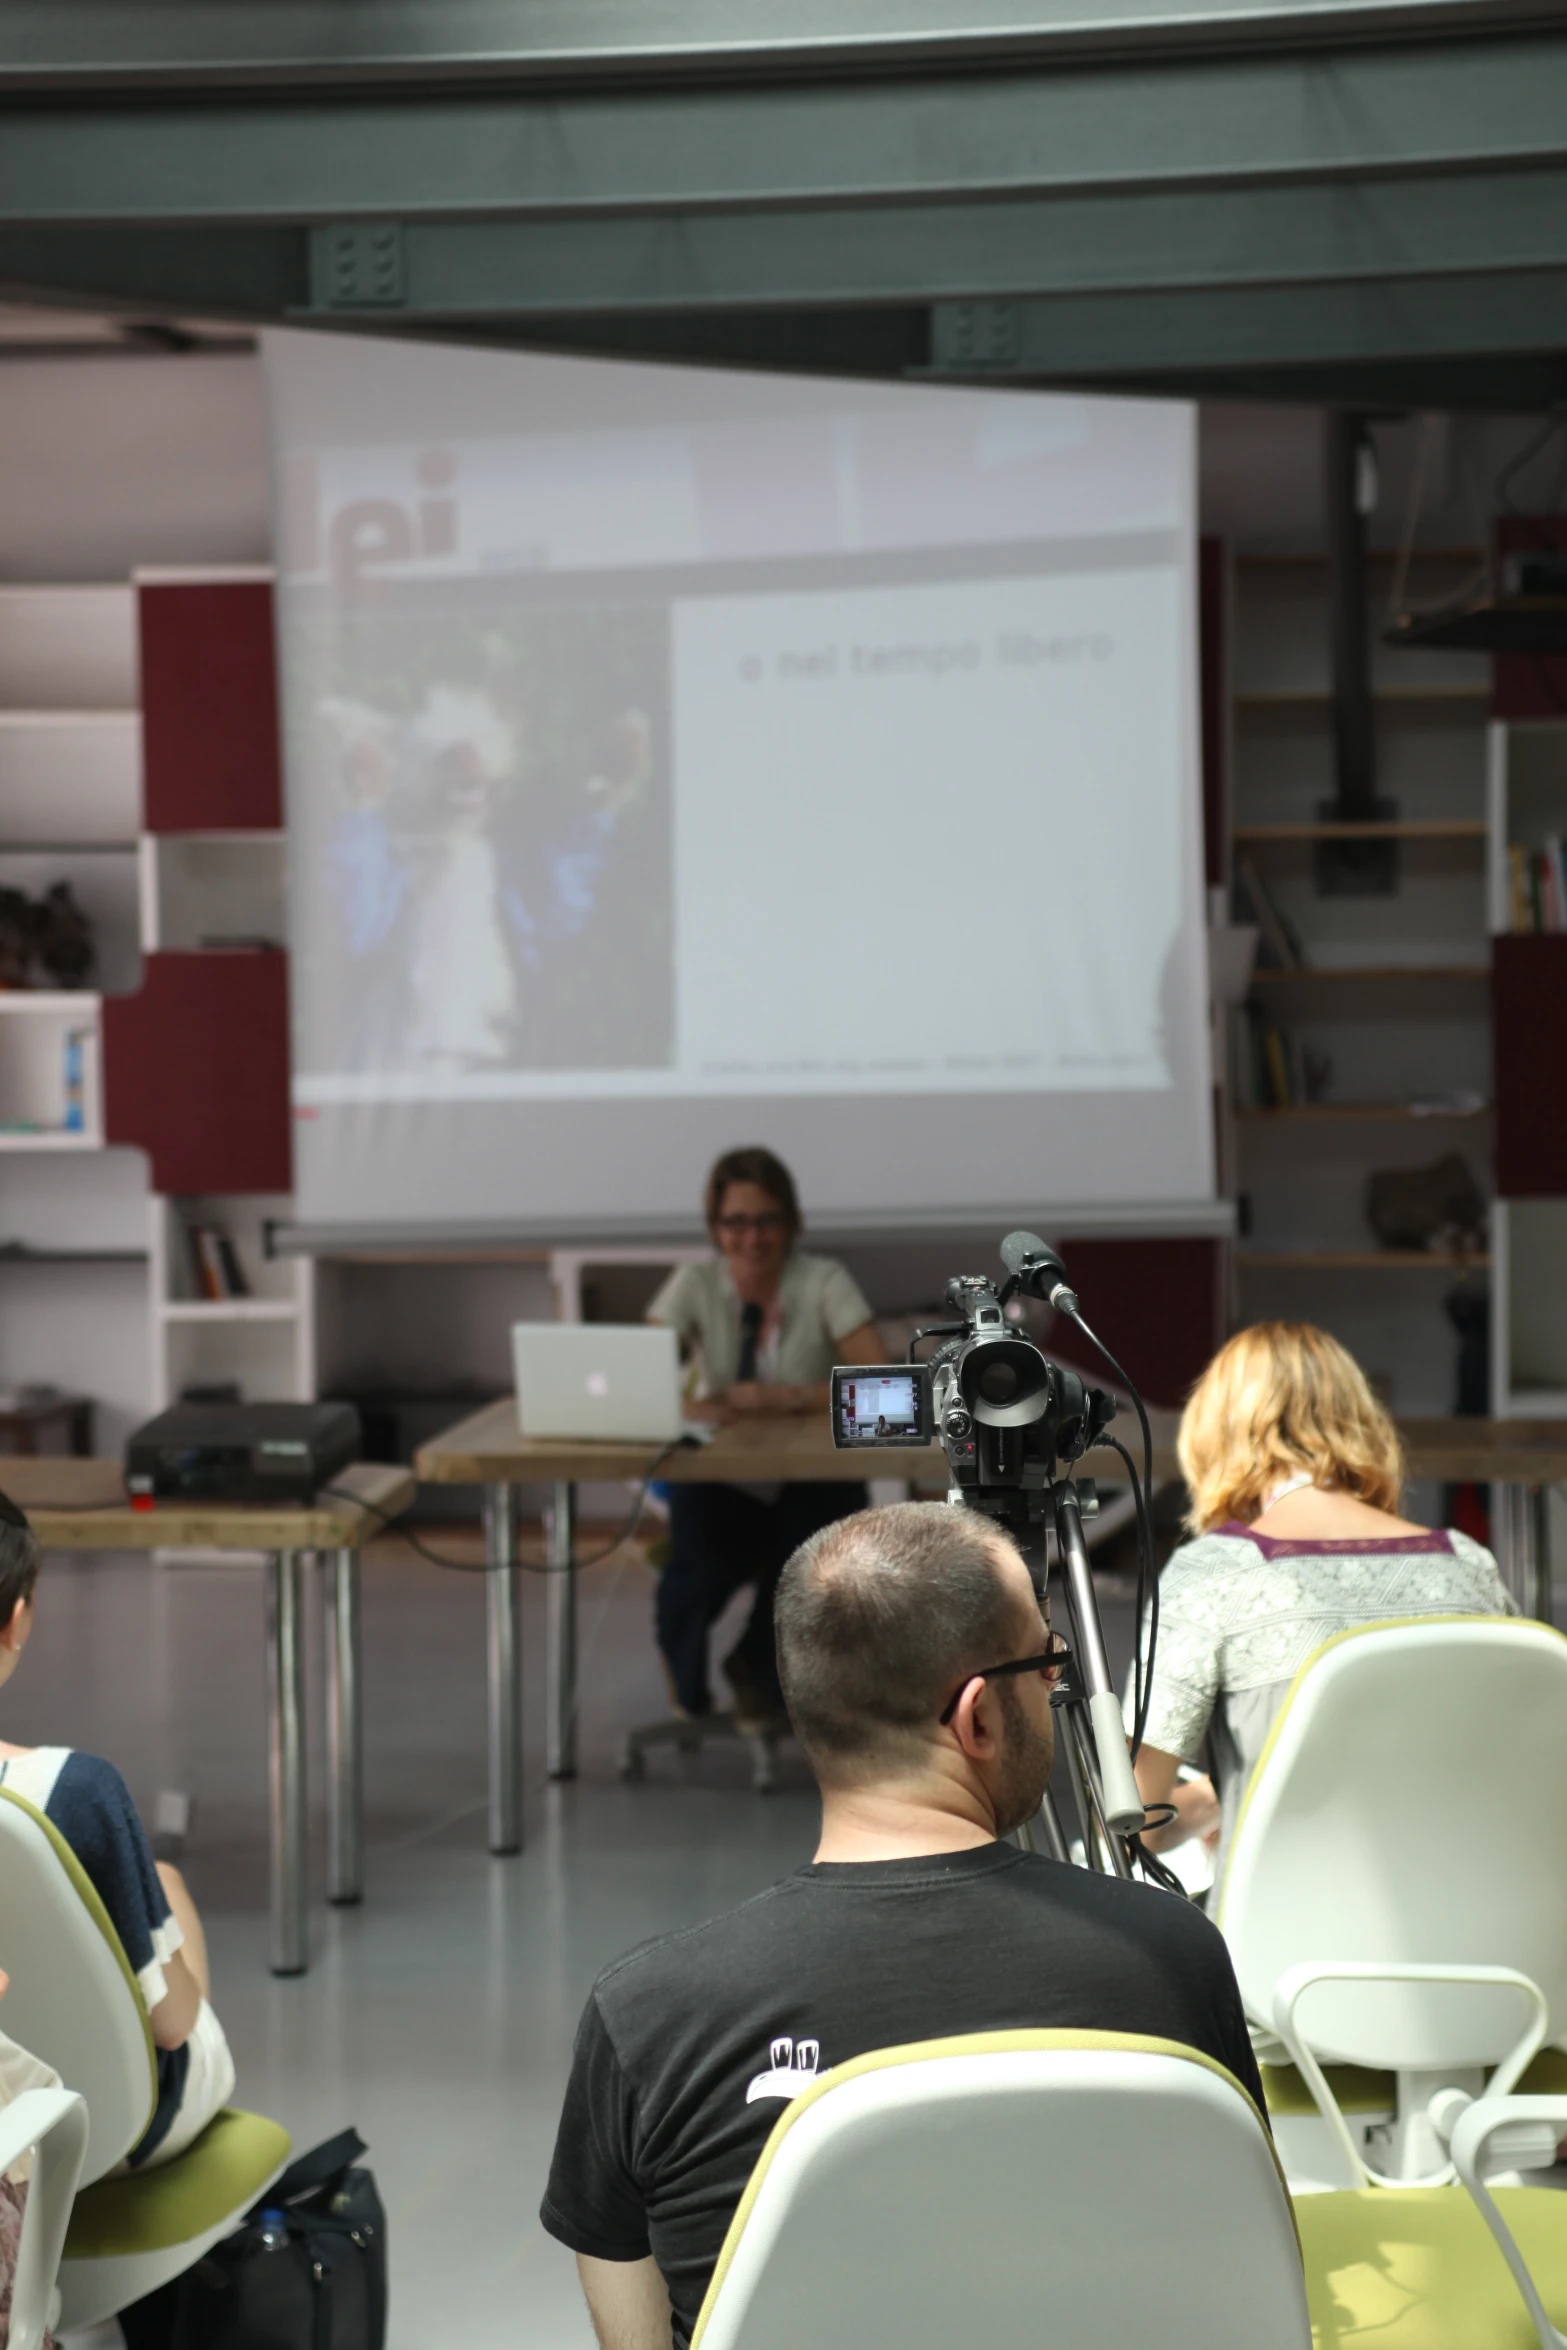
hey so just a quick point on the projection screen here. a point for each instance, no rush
(677, 758)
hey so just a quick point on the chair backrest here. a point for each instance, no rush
(1410, 1805)
(73, 2000)
(1093, 2189)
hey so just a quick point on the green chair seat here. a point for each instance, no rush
(1361, 2090)
(1416, 2268)
(1357, 2088)
(175, 2202)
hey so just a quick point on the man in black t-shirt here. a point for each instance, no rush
(900, 1635)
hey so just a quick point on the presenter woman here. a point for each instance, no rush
(763, 1323)
(1295, 1473)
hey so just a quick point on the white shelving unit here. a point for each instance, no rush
(1526, 790)
(263, 1343)
(73, 1258)
(95, 1284)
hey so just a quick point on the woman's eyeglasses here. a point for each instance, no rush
(736, 1227)
(1051, 1666)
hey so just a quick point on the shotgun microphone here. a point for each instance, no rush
(750, 1335)
(1037, 1269)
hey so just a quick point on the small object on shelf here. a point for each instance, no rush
(17, 929)
(1279, 934)
(47, 940)
(1537, 888)
(76, 1042)
(1440, 1207)
(1461, 1101)
(215, 1269)
(63, 939)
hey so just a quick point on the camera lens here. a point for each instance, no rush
(998, 1382)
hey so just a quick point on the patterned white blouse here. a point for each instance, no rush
(1240, 1612)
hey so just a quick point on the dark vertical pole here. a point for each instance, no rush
(1354, 739)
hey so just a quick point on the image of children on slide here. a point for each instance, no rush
(497, 857)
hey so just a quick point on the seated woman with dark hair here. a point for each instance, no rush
(1295, 1473)
(763, 1324)
(148, 1903)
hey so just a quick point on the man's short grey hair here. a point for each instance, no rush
(879, 1617)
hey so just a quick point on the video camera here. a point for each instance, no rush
(1012, 1423)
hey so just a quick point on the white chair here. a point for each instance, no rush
(51, 2125)
(1092, 2190)
(1395, 1895)
(1099, 2191)
(74, 2002)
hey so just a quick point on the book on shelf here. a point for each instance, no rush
(1537, 886)
(212, 1262)
(1273, 1069)
(1283, 941)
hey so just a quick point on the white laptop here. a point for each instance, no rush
(616, 1381)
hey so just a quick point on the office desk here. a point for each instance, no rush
(488, 1449)
(78, 1504)
(1521, 1460)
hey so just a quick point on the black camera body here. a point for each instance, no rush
(1007, 1417)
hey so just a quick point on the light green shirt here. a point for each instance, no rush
(819, 1303)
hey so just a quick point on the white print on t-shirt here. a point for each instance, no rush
(793, 2069)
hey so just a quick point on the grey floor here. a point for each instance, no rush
(438, 2017)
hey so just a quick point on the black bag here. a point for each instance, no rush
(307, 2271)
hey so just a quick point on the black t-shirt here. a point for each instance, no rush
(690, 2047)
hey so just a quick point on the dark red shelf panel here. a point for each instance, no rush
(1529, 1043)
(210, 745)
(195, 1072)
(1158, 1306)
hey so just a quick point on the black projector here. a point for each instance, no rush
(251, 1452)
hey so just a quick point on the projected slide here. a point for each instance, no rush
(672, 755)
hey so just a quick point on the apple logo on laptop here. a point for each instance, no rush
(598, 1383)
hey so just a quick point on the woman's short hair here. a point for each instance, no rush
(753, 1164)
(1278, 1399)
(18, 1558)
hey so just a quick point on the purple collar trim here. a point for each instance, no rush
(1438, 1544)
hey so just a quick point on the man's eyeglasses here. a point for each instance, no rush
(736, 1226)
(1051, 1665)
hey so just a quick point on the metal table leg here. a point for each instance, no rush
(286, 1759)
(503, 1594)
(1525, 1550)
(345, 1817)
(560, 1714)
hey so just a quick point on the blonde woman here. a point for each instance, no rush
(1295, 1474)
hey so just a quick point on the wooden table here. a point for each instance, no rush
(1520, 1460)
(489, 1449)
(30, 1417)
(82, 1505)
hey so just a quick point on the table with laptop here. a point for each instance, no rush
(599, 1402)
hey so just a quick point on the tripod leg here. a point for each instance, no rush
(1055, 1834)
(1110, 1852)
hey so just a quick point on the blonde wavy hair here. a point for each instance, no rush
(1279, 1398)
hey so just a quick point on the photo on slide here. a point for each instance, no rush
(485, 840)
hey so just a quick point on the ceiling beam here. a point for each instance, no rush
(237, 44)
(1143, 128)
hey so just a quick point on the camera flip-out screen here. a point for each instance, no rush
(880, 1405)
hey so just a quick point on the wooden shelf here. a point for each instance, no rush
(1345, 1110)
(1415, 828)
(1454, 694)
(54, 1000)
(229, 1309)
(1365, 1260)
(13, 1254)
(1315, 558)
(1372, 974)
(50, 1138)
